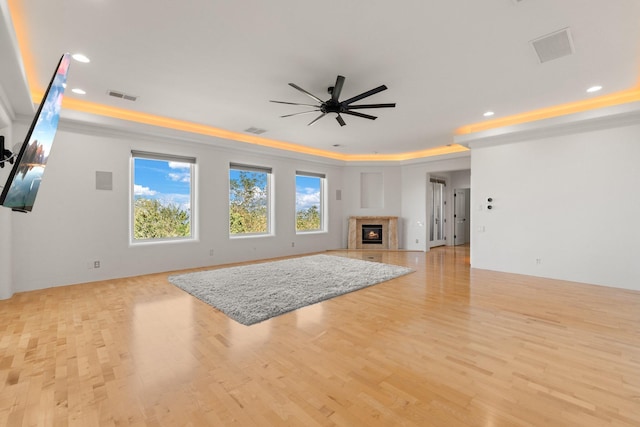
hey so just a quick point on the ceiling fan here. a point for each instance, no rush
(334, 105)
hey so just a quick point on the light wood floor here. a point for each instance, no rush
(444, 346)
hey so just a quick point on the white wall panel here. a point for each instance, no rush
(564, 207)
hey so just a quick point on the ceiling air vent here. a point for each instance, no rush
(256, 131)
(553, 46)
(121, 95)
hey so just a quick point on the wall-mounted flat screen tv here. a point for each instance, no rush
(19, 193)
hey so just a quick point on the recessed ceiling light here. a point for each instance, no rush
(488, 114)
(80, 57)
(594, 89)
(78, 91)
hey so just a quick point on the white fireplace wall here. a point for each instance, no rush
(371, 190)
(391, 195)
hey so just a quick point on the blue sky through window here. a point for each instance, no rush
(307, 192)
(168, 182)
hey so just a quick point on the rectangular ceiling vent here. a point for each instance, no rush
(256, 131)
(121, 95)
(553, 46)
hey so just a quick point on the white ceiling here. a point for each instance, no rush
(219, 62)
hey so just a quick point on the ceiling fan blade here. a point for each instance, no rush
(364, 95)
(335, 94)
(294, 103)
(355, 113)
(297, 114)
(390, 105)
(340, 120)
(295, 86)
(317, 118)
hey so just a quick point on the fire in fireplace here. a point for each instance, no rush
(372, 234)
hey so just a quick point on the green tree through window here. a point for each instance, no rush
(162, 199)
(248, 200)
(309, 197)
(153, 220)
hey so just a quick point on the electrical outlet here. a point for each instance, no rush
(417, 241)
(538, 260)
(293, 244)
(96, 264)
(210, 252)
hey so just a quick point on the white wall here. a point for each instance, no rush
(571, 201)
(460, 179)
(73, 224)
(6, 287)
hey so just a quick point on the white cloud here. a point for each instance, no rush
(180, 177)
(307, 197)
(139, 190)
(179, 165)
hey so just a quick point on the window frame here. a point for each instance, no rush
(136, 154)
(242, 167)
(322, 201)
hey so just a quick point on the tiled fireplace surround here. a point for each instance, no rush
(389, 232)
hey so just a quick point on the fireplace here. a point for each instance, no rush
(363, 231)
(372, 234)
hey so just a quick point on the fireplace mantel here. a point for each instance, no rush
(389, 232)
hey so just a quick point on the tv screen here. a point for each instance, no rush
(19, 193)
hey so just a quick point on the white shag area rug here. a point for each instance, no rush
(252, 293)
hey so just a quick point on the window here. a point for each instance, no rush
(162, 197)
(309, 201)
(249, 200)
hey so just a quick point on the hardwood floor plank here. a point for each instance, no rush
(443, 346)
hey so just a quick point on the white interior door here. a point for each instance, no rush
(460, 217)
